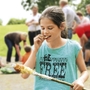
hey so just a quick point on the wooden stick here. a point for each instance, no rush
(54, 79)
(25, 69)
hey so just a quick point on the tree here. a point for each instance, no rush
(26, 4)
(45, 3)
(41, 3)
(16, 21)
(0, 22)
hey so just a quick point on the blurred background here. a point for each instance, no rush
(20, 9)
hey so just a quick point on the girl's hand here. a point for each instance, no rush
(38, 41)
(78, 85)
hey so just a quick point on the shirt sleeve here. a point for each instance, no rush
(79, 31)
(77, 19)
(77, 48)
(65, 13)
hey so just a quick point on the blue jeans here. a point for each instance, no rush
(69, 33)
(10, 46)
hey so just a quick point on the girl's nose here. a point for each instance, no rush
(46, 31)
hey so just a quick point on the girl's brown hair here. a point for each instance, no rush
(55, 14)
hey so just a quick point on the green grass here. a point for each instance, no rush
(6, 29)
(75, 37)
(10, 28)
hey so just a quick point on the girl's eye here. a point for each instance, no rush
(50, 28)
(42, 28)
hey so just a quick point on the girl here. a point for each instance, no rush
(55, 56)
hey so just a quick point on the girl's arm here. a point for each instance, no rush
(30, 62)
(79, 83)
(32, 58)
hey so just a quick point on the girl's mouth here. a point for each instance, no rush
(46, 37)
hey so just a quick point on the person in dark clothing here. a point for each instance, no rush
(12, 40)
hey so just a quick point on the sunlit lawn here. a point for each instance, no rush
(75, 37)
(10, 28)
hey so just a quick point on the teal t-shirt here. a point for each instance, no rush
(59, 63)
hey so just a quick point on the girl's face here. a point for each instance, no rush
(49, 30)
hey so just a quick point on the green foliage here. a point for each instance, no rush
(41, 3)
(45, 3)
(82, 6)
(26, 4)
(16, 21)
